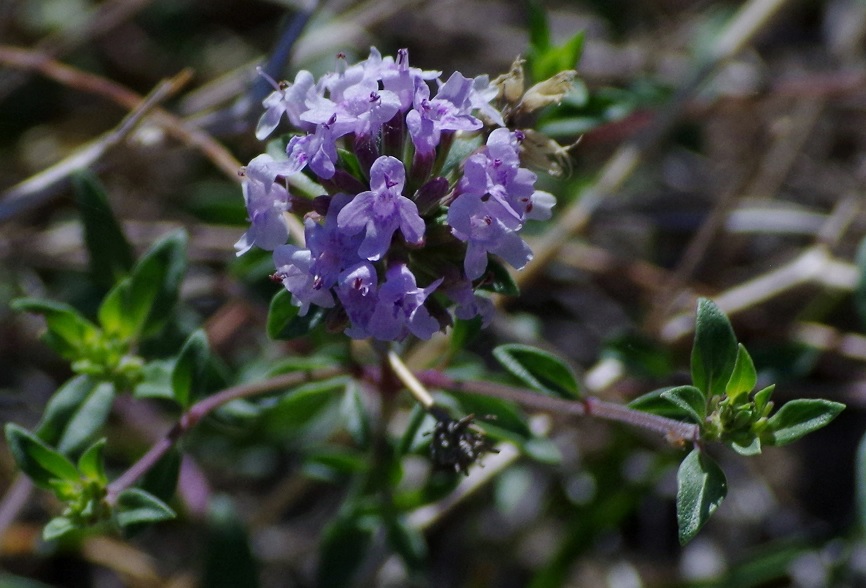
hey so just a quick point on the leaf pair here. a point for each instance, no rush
(81, 486)
(723, 377)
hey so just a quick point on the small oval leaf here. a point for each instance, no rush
(37, 460)
(136, 506)
(690, 399)
(539, 370)
(188, 378)
(701, 487)
(714, 351)
(801, 417)
(744, 377)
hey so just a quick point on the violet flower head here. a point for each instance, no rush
(382, 210)
(400, 309)
(365, 184)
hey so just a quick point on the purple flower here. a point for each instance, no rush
(266, 202)
(293, 268)
(480, 97)
(285, 99)
(319, 150)
(333, 250)
(400, 308)
(363, 110)
(372, 108)
(382, 210)
(402, 79)
(480, 224)
(347, 76)
(448, 111)
(495, 173)
(357, 290)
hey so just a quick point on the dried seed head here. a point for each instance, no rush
(511, 84)
(541, 152)
(550, 91)
(456, 445)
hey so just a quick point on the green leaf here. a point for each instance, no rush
(748, 450)
(689, 399)
(76, 413)
(714, 351)
(165, 265)
(189, 376)
(744, 377)
(701, 487)
(344, 545)
(57, 528)
(655, 403)
(69, 333)
(141, 304)
(281, 312)
(762, 399)
(334, 464)
(156, 380)
(91, 463)
(539, 30)
(463, 333)
(558, 59)
(37, 460)
(355, 415)
(301, 408)
(801, 417)
(499, 418)
(119, 315)
(284, 323)
(136, 506)
(538, 369)
(110, 253)
(63, 407)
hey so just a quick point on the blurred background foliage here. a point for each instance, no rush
(749, 188)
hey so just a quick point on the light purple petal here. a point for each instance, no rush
(411, 224)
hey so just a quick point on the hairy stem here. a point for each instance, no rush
(675, 432)
(200, 410)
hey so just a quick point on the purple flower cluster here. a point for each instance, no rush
(397, 235)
